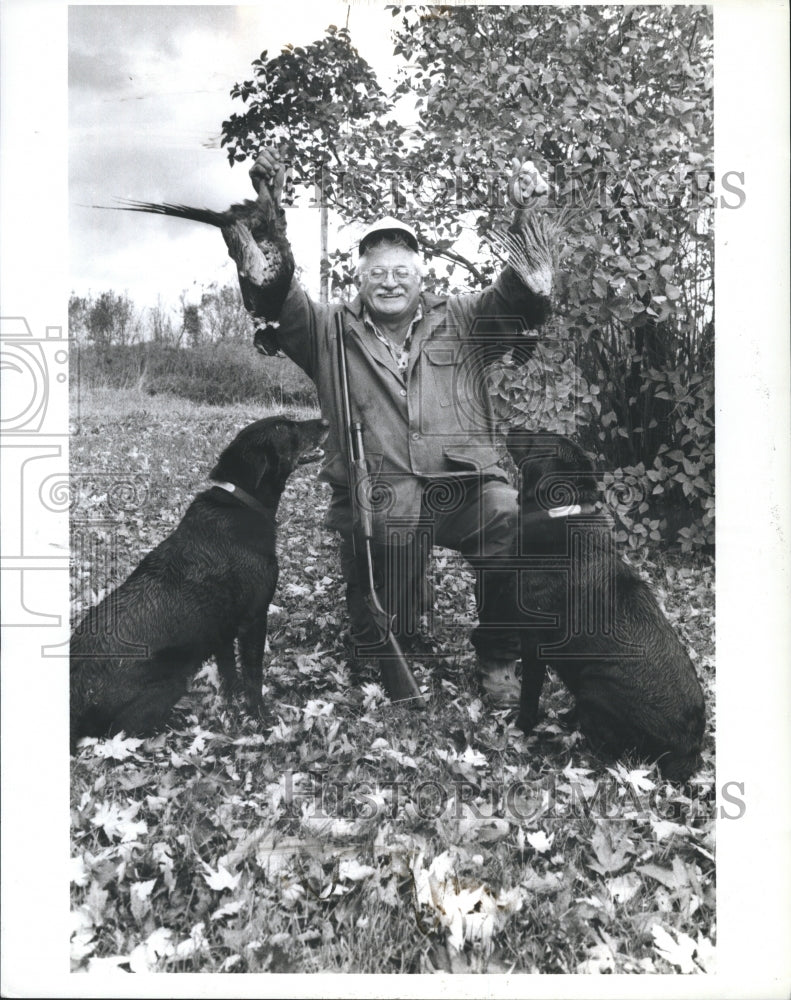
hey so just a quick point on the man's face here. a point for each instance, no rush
(390, 298)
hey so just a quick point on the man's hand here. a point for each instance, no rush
(269, 171)
(525, 182)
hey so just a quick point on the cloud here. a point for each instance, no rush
(118, 30)
(149, 88)
(95, 71)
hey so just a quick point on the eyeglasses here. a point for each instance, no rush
(378, 274)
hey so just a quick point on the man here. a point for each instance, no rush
(415, 364)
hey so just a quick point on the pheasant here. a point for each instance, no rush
(255, 234)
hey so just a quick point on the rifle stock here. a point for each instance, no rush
(399, 682)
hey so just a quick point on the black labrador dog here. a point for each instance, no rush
(590, 616)
(211, 581)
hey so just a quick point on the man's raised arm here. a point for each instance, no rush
(523, 291)
(258, 245)
(266, 268)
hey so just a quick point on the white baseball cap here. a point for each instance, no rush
(389, 225)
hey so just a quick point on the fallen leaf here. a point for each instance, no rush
(623, 888)
(119, 823)
(196, 942)
(109, 964)
(220, 879)
(120, 747)
(666, 876)
(229, 910)
(139, 898)
(600, 960)
(664, 828)
(612, 849)
(539, 841)
(78, 873)
(677, 951)
(352, 870)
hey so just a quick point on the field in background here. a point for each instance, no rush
(213, 373)
(340, 833)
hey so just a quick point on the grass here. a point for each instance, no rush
(217, 373)
(342, 833)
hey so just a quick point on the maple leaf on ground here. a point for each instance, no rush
(539, 841)
(637, 778)
(665, 876)
(541, 884)
(678, 951)
(315, 709)
(158, 944)
(82, 944)
(120, 747)
(229, 910)
(663, 828)
(373, 695)
(119, 823)
(400, 758)
(468, 911)
(221, 878)
(612, 850)
(474, 822)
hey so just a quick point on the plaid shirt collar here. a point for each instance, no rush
(399, 352)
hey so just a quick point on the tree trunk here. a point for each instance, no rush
(324, 265)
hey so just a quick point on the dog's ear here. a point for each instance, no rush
(270, 464)
(249, 458)
(276, 454)
(554, 467)
(519, 443)
(571, 456)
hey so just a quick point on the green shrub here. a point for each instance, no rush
(666, 415)
(217, 374)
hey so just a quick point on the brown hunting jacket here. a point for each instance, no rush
(432, 422)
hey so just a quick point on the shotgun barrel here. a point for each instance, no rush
(399, 682)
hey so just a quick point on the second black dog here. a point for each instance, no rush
(591, 617)
(211, 581)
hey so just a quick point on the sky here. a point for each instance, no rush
(149, 88)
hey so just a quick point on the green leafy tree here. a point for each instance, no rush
(317, 104)
(191, 323)
(223, 315)
(111, 318)
(614, 104)
(159, 324)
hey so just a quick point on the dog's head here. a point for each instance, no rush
(553, 471)
(264, 454)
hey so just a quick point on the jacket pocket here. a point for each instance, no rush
(474, 458)
(442, 363)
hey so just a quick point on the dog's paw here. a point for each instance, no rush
(569, 719)
(526, 720)
(255, 703)
(231, 690)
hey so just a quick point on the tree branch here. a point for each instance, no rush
(455, 258)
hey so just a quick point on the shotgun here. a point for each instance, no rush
(398, 679)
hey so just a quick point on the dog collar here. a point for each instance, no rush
(243, 496)
(572, 510)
